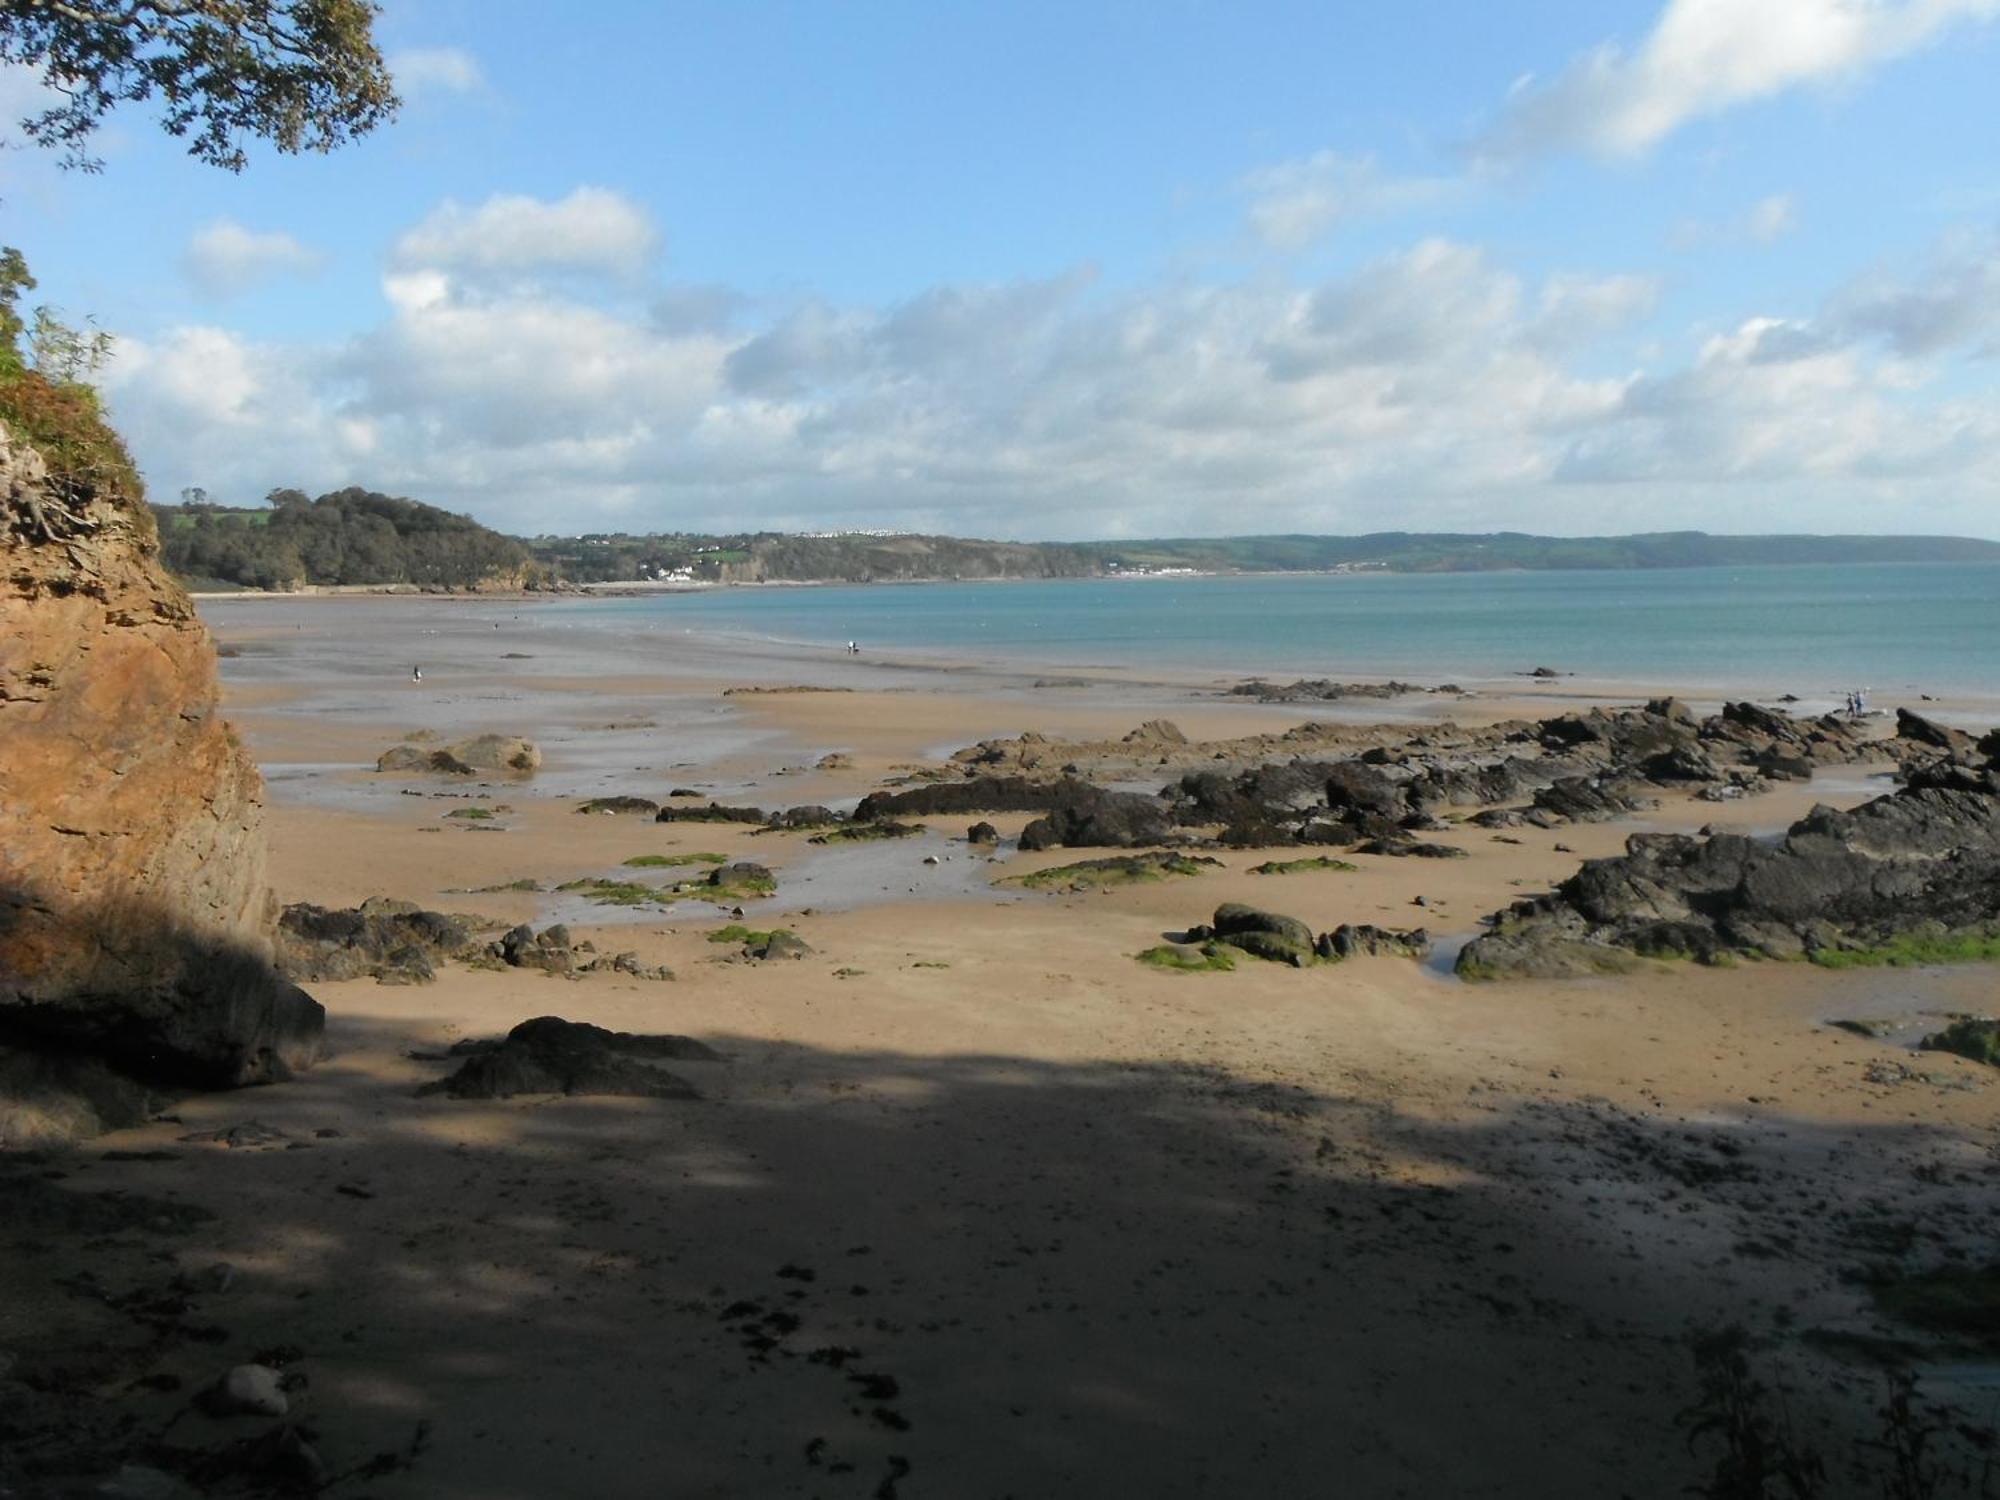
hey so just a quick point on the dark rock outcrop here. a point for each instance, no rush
(1113, 820)
(550, 1055)
(1924, 861)
(392, 941)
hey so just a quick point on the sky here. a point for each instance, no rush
(1084, 270)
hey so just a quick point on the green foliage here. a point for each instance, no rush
(652, 861)
(304, 75)
(1179, 958)
(347, 537)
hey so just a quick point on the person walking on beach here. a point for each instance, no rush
(416, 674)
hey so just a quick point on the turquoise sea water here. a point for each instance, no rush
(1811, 630)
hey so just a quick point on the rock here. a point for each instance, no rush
(1261, 934)
(1970, 1036)
(523, 948)
(1544, 672)
(134, 916)
(1354, 940)
(394, 942)
(47, 1098)
(247, 1391)
(742, 875)
(550, 1055)
(714, 812)
(1408, 848)
(1920, 867)
(779, 944)
(1682, 763)
(643, 807)
(982, 834)
(1157, 732)
(1114, 820)
(980, 794)
(485, 754)
(811, 815)
(1921, 731)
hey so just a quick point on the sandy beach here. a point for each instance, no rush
(976, 1205)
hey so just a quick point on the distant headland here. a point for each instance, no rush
(359, 538)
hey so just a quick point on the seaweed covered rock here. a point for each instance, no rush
(1261, 934)
(550, 1055)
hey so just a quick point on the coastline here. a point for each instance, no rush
(1103, 1227)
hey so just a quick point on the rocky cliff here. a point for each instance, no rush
(134, 919)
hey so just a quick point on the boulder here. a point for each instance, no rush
(1358, 940)
(1261, 934)
(135, 921)
(984, 834)
(550, 1055)
(778, 944)
(482, 755)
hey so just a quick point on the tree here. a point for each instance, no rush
(304, 75)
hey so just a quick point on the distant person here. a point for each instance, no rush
(416, 674)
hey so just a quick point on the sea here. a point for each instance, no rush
(1817, 631)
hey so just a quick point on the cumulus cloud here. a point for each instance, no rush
(435, 70)
(592, 230)
(1707, 56)
(224, 258)
(1953, 303)
(1294, 203)
(1430, 387)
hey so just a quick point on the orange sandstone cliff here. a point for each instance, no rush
(134, 918)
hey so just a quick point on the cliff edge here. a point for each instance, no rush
(134, 918)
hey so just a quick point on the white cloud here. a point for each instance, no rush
(1294, 203)
(435, 70)
(1430, 387)
(1764, 222)
(1953, 304)
(224, 258)
(592, 230)
(1707, 56)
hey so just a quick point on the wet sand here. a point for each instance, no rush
(978, 1206)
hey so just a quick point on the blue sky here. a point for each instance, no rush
(1080, 270)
